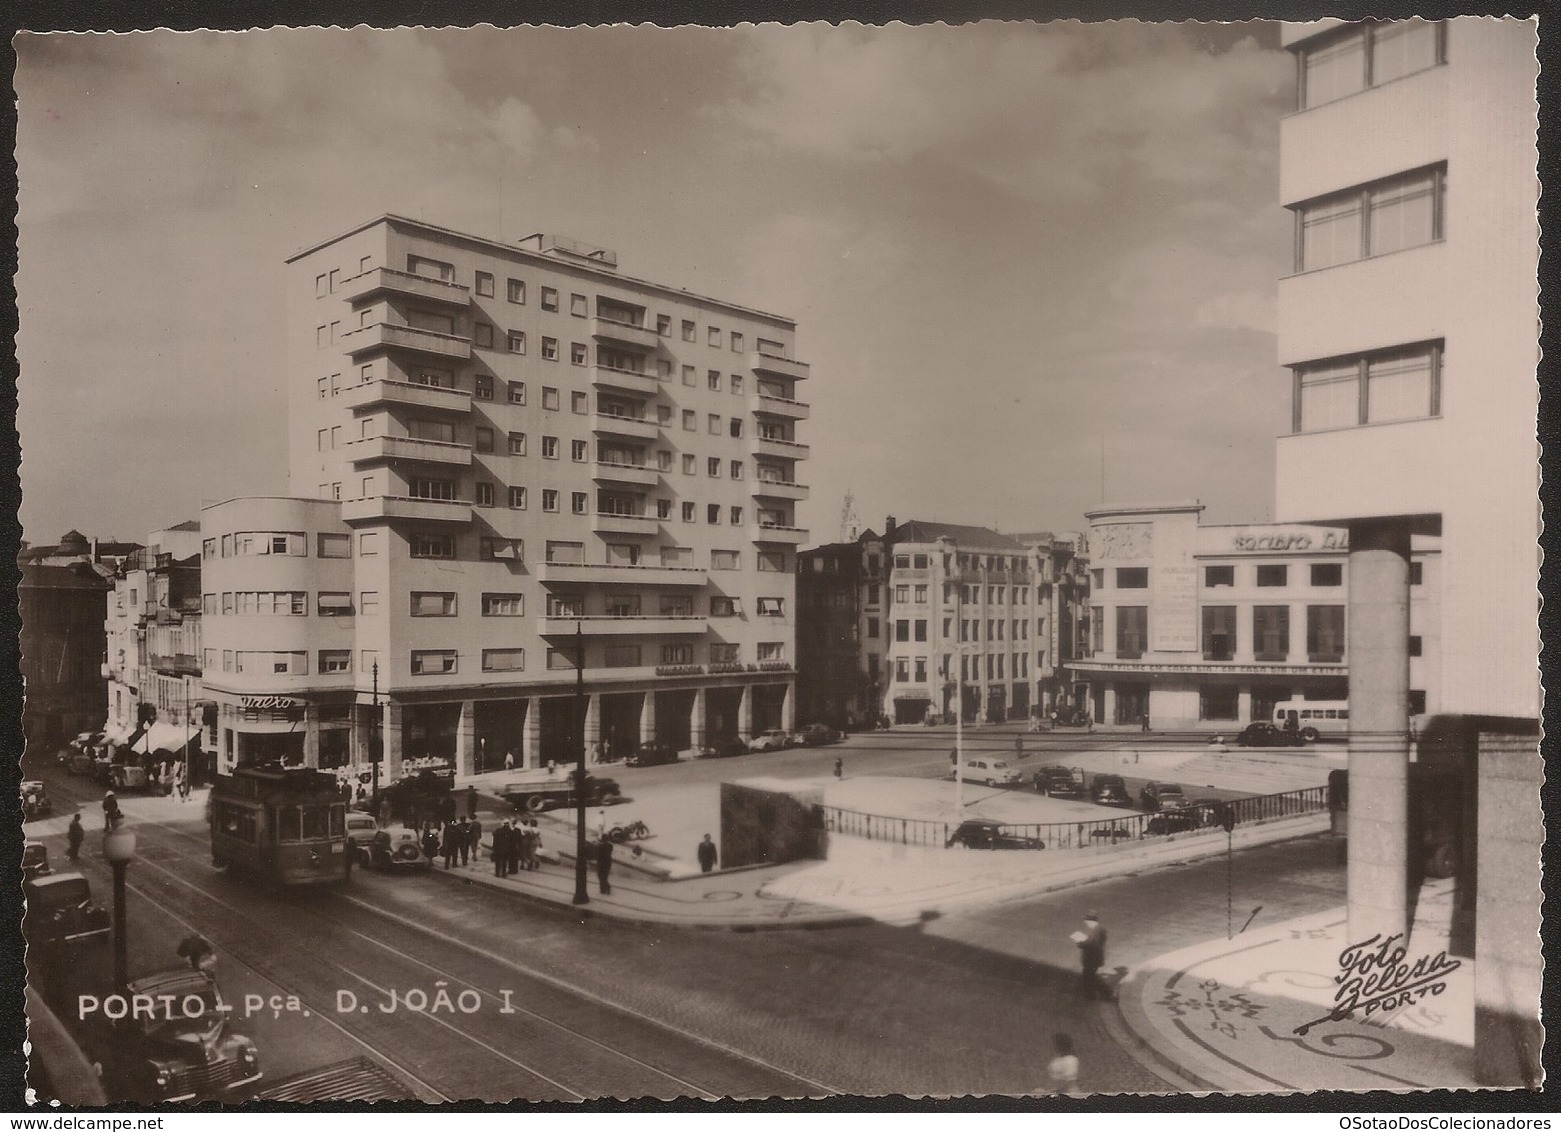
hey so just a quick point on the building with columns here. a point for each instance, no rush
(1209, 626)
(1409, 326)
(502, 455)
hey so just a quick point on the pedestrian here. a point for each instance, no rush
(1019, 747)
(536, 848)
(74, 835)
(840, 768)
(501, 848)
(463, 834)
(708, 854)
(603, 865)
(1062, 1073)
(449, 842)
(200, 954)
(1092, 956)
(430, 843)
(1145, 720)
(111, 814)
(509, 760)
(474, 838)
(471, 802)
(517, 842)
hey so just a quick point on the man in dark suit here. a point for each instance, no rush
(501, 836)
(1092, 956)
(603, 864)
(708, 854)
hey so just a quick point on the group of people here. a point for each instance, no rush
(516, 845)
(456, 841)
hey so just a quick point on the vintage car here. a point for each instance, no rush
(35, 800)
(978, 833)
(817, 735)
(60, 912)
(361, 828)
(992, 772)
(35, 860)
(1264, 734)
(180, 1049)
(1109, 790)
(1181, 820)
(652, 754)
(1157, 796)
(1059, 782)
(397, 849)
(557, 792)
(723, 749)
(772, 740)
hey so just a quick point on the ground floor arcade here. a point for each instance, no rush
(1202, 697)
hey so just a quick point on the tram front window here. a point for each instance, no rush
(287, 823)
(315, 821)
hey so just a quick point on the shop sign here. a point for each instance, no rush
(269, 703)
(1292, 540)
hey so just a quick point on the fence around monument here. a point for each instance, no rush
(1104, 832)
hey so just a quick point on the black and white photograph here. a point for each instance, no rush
(780, 562)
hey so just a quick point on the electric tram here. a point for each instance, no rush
(285, 825)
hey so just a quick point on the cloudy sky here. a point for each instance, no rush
(1017, 253)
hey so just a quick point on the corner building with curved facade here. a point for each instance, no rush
(500, 455)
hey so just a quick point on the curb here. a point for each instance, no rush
(1114, 1019)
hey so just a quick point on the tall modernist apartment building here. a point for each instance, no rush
(491, 447)
(1409, 325)
(1210, 626)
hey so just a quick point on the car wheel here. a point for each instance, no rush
(608, 798)
(534, 803)
(1309, 734)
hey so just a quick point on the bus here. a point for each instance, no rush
(1313, 718)
(286, 825)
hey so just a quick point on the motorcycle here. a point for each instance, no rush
(633, 831)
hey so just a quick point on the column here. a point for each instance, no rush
(696, 720)
(312, 736)
(1377, 649)
(466, 739)
(362, 727)
(1244, 705)
(1109, 700)
(593, 725)
(390, 734)
(789, 706)
(530, 752)
(745, 713)
(648, 718)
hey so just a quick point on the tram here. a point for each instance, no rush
(286, 825)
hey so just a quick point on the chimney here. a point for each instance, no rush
(888, 528)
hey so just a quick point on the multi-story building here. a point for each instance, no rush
(1210, 626)
(61, 640)
(831, 680)
(1066, 592)
(1409, 327)
(494, 447)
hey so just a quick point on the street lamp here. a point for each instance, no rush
(119, 849)
(374, 742)
(582, 896)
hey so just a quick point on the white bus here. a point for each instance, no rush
(1313, 717)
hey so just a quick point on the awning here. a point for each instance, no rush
(165, 737)
(116, 735)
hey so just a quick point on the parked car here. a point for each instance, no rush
(1059, 782)
(1109, 790)
(992, 772)
(1179, 820)
(182, 1050)
(397, 849)
(1209, 810)
(60, 912)
(558, 791)
(723, 749)
(1264, 734)
(652, 754)
(35, 800)
(978, 833)
(1156, 796)
(361, 829)
(772, 740)
(35, 860)
(818, 735)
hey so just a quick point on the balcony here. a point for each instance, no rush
(608, 524)
(175, 664)
(617, 424)
(778, 489)
(780, 367)
(778, 407)
(381, 508)
(371, 393)
(625, 333)
(640, 475)
(377, 449)
(378, 280)
(618, 574)
(382, 335)
(788, 536)
(625, 381)
(605, 626)
(779, 449)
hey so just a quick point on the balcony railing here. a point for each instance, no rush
(639, 475)
(778, 489)
(380, 335)
(372, 449)
(407, 393)
(618, 424)
(628, 333)
(610, 523)
(595, 573)
(781, 449)
(378, 508)
(379, 279)
(790, 536)
(628, 380)
(601, 625)
(779, 407)
(780, 367)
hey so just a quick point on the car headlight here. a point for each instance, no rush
(247, 1054)
(162, 1078)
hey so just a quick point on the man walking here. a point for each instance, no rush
(1092, 956)
(528, 846)
(474, 838)
(447, 842)
(74, 835)
(708, 854)
(501, 849)
(463, 839)
(603, 865)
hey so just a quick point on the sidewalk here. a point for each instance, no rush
(1226, 1013)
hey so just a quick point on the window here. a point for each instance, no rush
(715, 424)
(1097, 624)
(420, 488)
(621, 656)
(517, 498)
(503, 605)
(1415, 646)
(688, 332)
(270, 542)
(714, 336)
(902, 593)
(1327, 574)
(902, 630)
(550, 298)
(772, 650)
(515, 290)
(432, 545)
(737, 469)
(368, 603)
(687, 512)
(577, 353)
(664, 325)
(516, 394)
(482, 387)
(503, 660)
(333, 604)
(368, 544)
(736, 428)
(677, 605)
(713, 511)
(516, 341)
(1416, 573)
(1219, 576)
(1374, 388)
(484, 285)
(737, 516)
(484, 491)
(549, 398)
(578, 451)
(579, 307)
(1271, 632)
(737, 384)
(1325, 633)
(771, 607)
(902, 670)
(1367, 55)
(428, 604)
(572, 552)
(1132, 577)
(501, 549)
(482, 335)
(724, 560)
(921, 595)
(872, 628)
(1272, 576)
(1219, 632)
(688, 375)
(559, 659)
(272, 663)
(291, 603)
(579, 503)
(1219, 703)
(549, 352)
(333, 546)
(677, 654)
(664, 460)
(772, 561)
(550, 448)
(517, 444)
(433, 662)
(723, 606)
(335, 660)
(713, 466)
(1375, 219)
(663, 369)
(1132, 631)
(737, 342)
(921, 630)
(550, 499)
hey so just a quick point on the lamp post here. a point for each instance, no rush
(374, 742)
(582, 896)
(119, 849)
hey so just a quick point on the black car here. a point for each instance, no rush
(61, 912)
(976, 833)
(1156, 796)
(1109, 790)
(1058, 782)
(652, 754)
(817, 735)
(728, 748)
(1262, 734)
(1176, 821)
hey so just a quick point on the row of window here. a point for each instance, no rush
(969, 630)
(908, 594)
(1366, 55)
(1270, 632)
(294, 543)
(1379, 387)
(914, 669)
